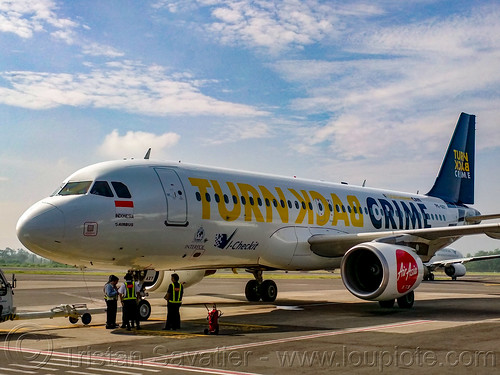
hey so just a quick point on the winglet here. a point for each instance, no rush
(455, 181)
(147, 154)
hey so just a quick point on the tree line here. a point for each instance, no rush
(21, 257)
(491, 265)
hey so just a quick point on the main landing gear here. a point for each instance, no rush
(404, 302)
(429, 277)
(259, 289)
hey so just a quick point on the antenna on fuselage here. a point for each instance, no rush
(147, 154)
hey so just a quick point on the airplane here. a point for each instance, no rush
(153, 217)
(452, 261)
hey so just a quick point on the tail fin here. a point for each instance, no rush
(455, 181)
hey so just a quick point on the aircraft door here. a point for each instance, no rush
(175, 197)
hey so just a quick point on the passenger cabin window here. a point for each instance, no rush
(101, 188)
(75, 188)
(121, 189)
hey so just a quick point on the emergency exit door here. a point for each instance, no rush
(175, 197)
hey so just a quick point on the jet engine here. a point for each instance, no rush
(455, 270)
(158, 281)
(381, 272)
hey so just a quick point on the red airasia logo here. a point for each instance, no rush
(407, 271)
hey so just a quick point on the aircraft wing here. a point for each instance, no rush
(425, 241)
(447, 262)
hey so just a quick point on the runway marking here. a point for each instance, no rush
(153, 362)
(17, 370)
(289, 339)
(119, 361)
(113, 370)
(51, 362)
(34, 367)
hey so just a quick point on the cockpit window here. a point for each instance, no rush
(121, 189)
(101, 188)
(75, 188)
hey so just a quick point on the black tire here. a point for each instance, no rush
(268, 291)
(387, 304)
(144, 310)
(431, 276)
(86, 318)
(252, 291)
(73, 320)
(406, 301)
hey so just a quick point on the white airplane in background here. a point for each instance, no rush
(452, 262)
(155, 217)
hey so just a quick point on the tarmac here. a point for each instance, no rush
(314, 326)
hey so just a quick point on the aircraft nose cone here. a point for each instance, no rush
(41, 228)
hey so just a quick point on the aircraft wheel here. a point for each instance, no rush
(144, 310)
(252, 291)
(406, 302)
(73, 320)
(431, 277)
(387, 304)
(86, 318)
(268, 291)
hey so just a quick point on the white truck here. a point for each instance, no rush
(9, 312)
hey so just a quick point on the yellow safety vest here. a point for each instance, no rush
(129, 291)
(106, 297)
(176, 297)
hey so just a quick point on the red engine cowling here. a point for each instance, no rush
(378, 271)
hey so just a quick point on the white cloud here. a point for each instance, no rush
(409, 95)
(25, 17)
(96, 49)
(240, 131)
(273, 25)
(126, 86)
(136, 144)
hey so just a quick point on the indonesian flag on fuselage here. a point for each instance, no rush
(124, 209)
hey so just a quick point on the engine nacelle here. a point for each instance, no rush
(455, 270)
(378, 271)
(158, 281)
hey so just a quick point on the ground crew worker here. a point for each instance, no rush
(174, 301)
(129, 293)
(111, 298)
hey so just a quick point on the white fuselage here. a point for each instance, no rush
(190, 217)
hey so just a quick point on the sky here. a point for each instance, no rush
(330, 90)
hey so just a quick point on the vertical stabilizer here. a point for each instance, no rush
(455, 181)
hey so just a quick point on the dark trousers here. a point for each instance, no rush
(111, 307)
(173, 316)
(130, 313)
